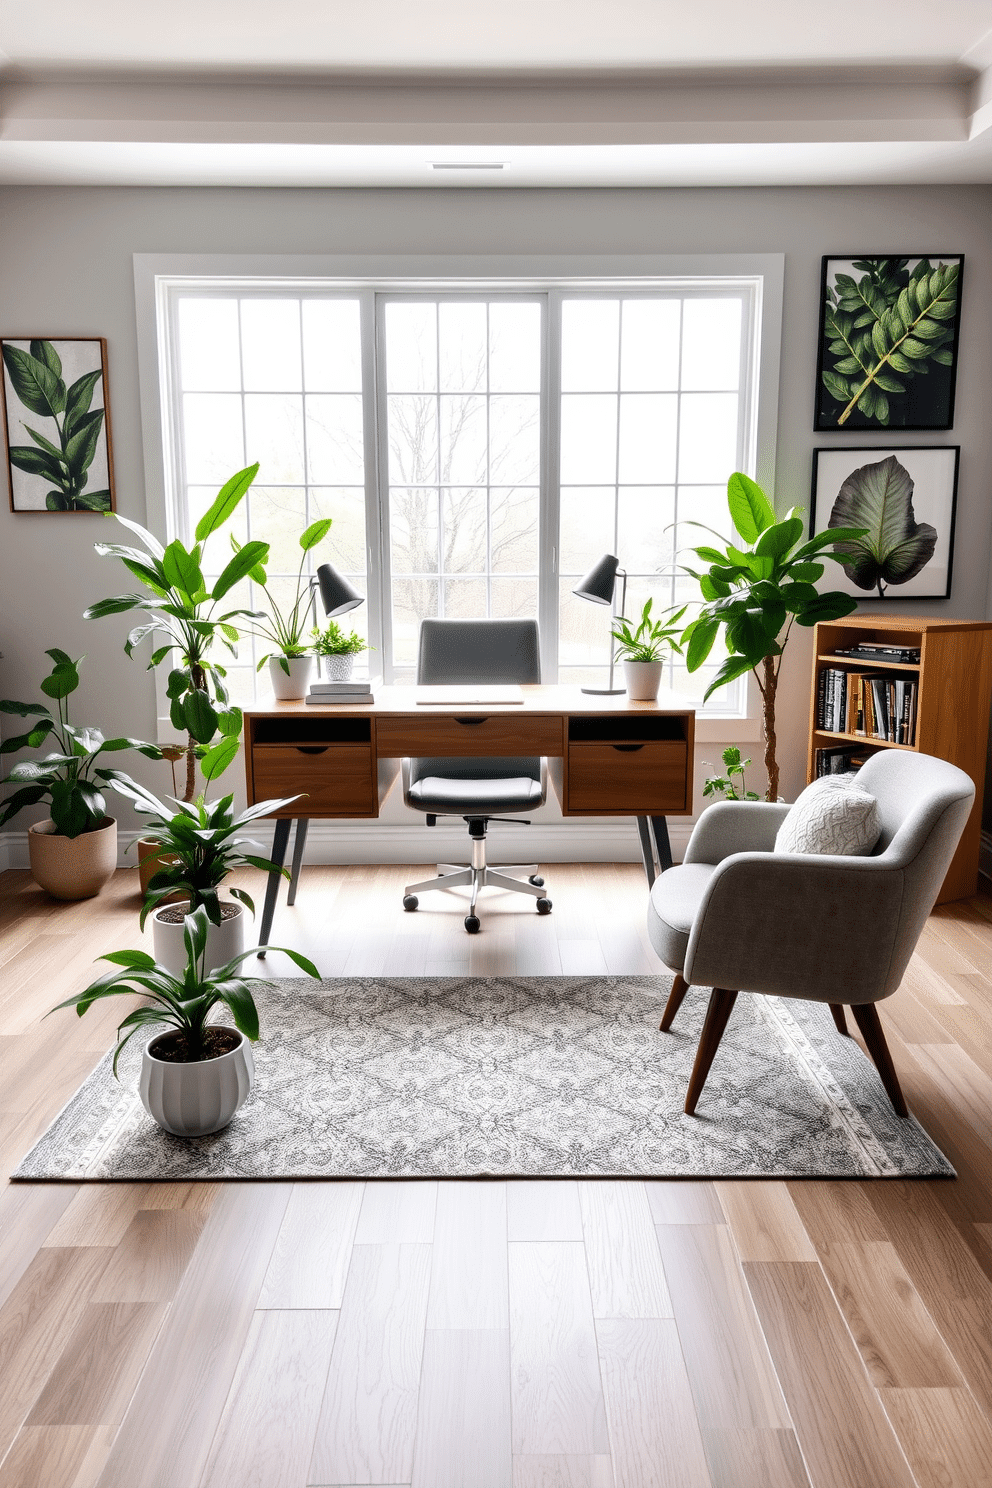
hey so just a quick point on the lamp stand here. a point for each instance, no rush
(612, 691)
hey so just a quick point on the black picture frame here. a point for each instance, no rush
(848, 351)
(933, 471)
(55, 409)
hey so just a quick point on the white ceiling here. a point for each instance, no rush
(555, 92)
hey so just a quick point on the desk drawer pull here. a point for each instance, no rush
(311, 748)
(472, 721)
(628, 748)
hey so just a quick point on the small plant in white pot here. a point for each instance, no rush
(642, 650)
(74, 852)
(335, 651)
(283, 627)
(195, 1075)
(201, 845)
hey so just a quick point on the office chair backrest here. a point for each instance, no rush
(483, 651)
(493, 652)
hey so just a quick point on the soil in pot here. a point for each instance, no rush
(174, 1048)
(174, 914)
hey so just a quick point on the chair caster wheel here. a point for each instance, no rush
(410, 901)
(473, 924)
(536, 880)
(544, 906)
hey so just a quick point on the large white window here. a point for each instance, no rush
(478, 447)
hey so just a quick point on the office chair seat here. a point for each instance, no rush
(477, 652)
(474, 797)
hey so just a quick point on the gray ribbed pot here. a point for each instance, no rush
(193, 1100)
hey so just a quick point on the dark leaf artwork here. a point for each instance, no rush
(895, 547)
(888, 343)
(63, 453)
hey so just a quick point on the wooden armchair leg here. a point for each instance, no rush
(718, 1013)
(679, 988)
(867, 1019)
(840, 1021)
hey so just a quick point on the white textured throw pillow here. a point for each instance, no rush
(831, 816)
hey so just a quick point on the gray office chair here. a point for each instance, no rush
(482, 652)
(839, 930)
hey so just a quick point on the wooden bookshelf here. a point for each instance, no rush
(952, 706)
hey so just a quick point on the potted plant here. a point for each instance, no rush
(199, 846)
(726, 785)
(643, 650)
(336, 651)
(284, 627)
(195, 1075)
(757, 592)
(74, 852)
(187, 619)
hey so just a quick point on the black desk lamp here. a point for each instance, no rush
(336, 594)
(600, 586)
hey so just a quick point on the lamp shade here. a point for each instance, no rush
(600, 581)
(336, 594)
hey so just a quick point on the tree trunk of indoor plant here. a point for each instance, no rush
(768, 689)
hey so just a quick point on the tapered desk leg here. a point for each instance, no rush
(300, 843)
(662, 841)
(647, 847)
(280, 841)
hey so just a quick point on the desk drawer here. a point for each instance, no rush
(627, 779)
(468, 734)
(336, 778)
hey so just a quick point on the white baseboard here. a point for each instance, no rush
(389, 842)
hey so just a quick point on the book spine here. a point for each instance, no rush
(879, 701)
(821, 699)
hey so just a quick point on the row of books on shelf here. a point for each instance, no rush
(879, 705)
(839, 761)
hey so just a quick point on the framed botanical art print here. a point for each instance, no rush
(905, 499)
(56, 421)
(888, 342)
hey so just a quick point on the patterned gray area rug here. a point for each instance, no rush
(412, 1077)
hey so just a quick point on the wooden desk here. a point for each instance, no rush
(607, 756)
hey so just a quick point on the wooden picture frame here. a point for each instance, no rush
(56, 424)
(888, 342)
(850, 484)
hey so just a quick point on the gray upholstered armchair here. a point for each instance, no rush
(736, 915)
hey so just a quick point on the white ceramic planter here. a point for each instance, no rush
(224, 941)
(193, 1100)
(287, 688)
(643, 678)
(337, 668)
(72, 867)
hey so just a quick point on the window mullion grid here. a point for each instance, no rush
(377, 485)
(442, 588)
(549, 493)
(616, 456)
(489, 482)
(677, 489)
(248, 525)
(306, 452)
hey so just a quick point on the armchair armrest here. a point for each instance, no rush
(799, 925)
(734, 827)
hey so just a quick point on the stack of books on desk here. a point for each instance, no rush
(322, 693)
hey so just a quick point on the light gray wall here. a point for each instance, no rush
(66, 268)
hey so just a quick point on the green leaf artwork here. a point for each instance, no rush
(888, 343)
(894, 547)
(62, 455)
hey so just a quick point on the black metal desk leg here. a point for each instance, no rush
(660, 825)
(302, 823)
(280, 840)
(647, 847)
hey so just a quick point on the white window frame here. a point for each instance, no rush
(159, 277)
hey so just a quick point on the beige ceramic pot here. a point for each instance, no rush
(72, 867)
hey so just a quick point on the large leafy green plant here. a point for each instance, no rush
(187, 617)
(895, 546)
(201, 842)
(183, 1003)
(69, 778)
(756, 592)
(884, 330)
(284, 626)
(36, 377)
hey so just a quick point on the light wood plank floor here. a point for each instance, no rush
(491, 1335)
